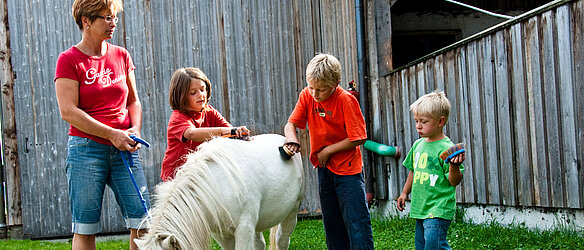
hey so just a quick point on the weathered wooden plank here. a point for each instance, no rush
(429, 75)
(451, 87)
(503, 109)
(520, 128)
(377, 116)
(578, 44)
(475, 122)
(420, 82)
(536, 123)
(468, 178)
(393, 136)
(379, 129)
(438, 68)
(565, 68)
(551, 114)
(489, 121)
(382, 20)
(409, 95)
(9, 132)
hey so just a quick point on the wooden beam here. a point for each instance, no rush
(10, 144)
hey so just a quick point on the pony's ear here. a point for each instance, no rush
(167, 241)
(140, 243)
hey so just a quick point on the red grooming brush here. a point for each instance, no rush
(451, 152)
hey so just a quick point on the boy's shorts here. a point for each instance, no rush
(90, 167)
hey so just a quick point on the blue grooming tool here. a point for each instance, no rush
(140, 140)
(460, 151)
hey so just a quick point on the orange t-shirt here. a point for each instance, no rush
(330, 121)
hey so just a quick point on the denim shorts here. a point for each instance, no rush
(431, 233)
(90, 167)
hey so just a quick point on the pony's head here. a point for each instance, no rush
(158, 242)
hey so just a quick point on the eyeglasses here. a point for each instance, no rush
(109, 19)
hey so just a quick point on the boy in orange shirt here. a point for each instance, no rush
(337, 128)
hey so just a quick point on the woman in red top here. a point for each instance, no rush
(96, 92)
(193, 120)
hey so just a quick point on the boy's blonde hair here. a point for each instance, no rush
(433, 104)
(324, 68)
(180, 85)
(93, 8)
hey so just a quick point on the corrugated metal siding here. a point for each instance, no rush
(254, 52)
(516, 103)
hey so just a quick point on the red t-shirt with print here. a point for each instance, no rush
(179, 147)
(330, 121)
(103, 90)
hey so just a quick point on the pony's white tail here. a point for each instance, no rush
(190, 206)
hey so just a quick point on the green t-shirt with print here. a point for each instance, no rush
(432, 195)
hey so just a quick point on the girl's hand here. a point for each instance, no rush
(242, 131)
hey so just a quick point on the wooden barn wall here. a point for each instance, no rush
(254, 53)
(516, 95)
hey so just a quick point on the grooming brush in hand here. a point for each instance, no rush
(233, 135)
(452, 152)
(285, 152)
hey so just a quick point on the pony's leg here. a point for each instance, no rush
(226, 242)
(260, 242)
(244, 233)
(285, 230)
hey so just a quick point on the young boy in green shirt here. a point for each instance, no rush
(431, 182)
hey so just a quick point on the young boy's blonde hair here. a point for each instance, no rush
(433, 104)
(324, 68)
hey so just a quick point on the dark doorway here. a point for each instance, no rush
(409, 46)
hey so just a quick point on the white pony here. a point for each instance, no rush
(230, 190)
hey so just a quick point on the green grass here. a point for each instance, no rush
(390, 233)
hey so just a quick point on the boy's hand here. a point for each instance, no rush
(293, 146)
(457, 160)
(323, 157)
(401, 202)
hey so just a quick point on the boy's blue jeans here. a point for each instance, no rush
(345, 213)
(431, 233)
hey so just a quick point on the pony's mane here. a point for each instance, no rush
(193, 192)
